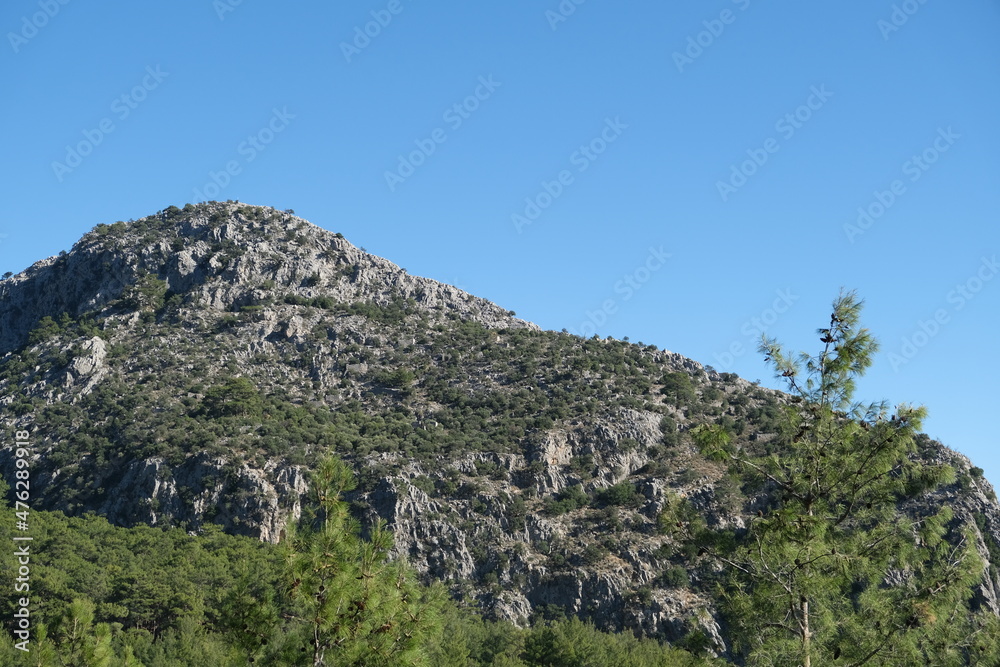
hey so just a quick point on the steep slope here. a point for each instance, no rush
(208, 356)
(218, 256)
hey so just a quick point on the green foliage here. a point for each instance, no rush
(571, 498)
(830, 569)
(671, 437)
(582, 465)
(77, 638)
(623, 494)
(236, 397)
(573, 643)
(401, 378)
(711, 394)
(100, 593)
(393, 313)
(115, 230)
(147, 294)
(469, 641)
(675, 576)
(45, 329)
(147, 410)
(679, 515)
(678, 386)
(342, 602)
(714, 441)
(594, 553)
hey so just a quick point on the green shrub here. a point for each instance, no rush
(623, 494)
(567, 500)
(594, 553)
(401, 378)
(236, 397)
(45, 329)
(675, 576)
(678, 386)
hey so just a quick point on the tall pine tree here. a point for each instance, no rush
(829, 570)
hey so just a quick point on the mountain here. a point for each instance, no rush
(192, 366)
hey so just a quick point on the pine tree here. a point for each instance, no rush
(236, 397)
(73, 639)
(345, 603)
(829, 571)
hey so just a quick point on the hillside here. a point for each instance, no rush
(190, 368)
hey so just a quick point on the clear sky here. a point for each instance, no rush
(681, 173)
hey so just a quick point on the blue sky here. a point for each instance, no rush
(684, 174)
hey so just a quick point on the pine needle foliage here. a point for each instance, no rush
(345, 604)
(828, 570)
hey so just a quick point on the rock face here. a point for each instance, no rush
(246, 500)
(88, 368)
(527, 469)
(535, 560)
(219, 253)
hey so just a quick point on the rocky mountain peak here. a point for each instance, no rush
(226, 256)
